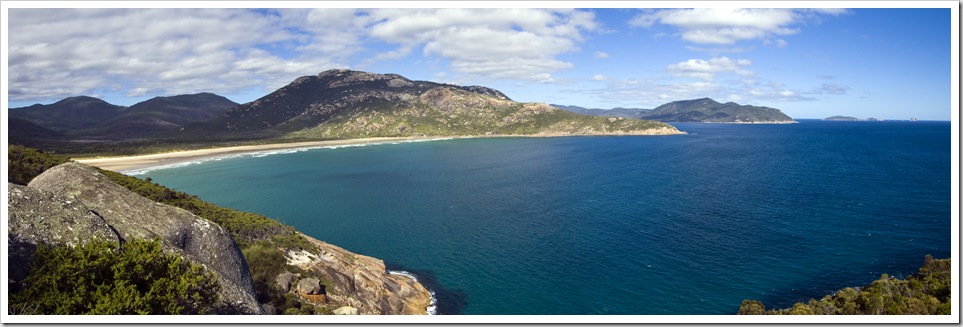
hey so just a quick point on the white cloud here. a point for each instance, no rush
(598, 77)
(725, 26)
(601, 55)
(144, 51)
(56, 53)
(488, 43)
(830, 88)
(707, 70)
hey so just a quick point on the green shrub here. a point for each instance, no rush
(26, 163)
(246, 228)
(100, 278)
(925, 292)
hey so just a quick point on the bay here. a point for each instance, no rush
(688, 224)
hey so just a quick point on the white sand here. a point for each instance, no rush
(163, 159)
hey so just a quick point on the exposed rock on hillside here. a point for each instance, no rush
(72, 203)
(352, 104)
(363, 282)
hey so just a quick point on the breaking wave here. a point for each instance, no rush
(432, 300)
(265, 153)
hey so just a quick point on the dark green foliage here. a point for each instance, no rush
(246, 228)
(100, 278)
(266, 262)
(752, 307)
(925, 292)
(26, 163)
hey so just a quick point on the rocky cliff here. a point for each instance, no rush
(73, 203)
(362, 282)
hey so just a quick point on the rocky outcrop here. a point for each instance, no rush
(309, 286)
(363, 282)
(72, 203)
(284, 281)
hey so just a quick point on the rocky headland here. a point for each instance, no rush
(72, 204)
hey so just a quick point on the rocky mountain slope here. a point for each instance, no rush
(350, 104)
(704, 110)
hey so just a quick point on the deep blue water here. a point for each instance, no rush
(689, 224)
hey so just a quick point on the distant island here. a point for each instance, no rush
(848, 118)
(841, 118)
(704, 110)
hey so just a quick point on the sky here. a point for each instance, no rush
(810, 63)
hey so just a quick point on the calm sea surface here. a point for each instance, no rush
(689, 224)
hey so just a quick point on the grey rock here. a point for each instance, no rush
(133, 216)
(37, 217)
(284, 281)
(309, 286)
(269, 309)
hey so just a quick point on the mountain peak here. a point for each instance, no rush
(342, 103)
(81, 100)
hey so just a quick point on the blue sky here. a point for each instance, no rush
(811, 63)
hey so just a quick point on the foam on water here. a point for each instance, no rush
(433, 301)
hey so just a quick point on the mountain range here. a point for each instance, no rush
(340, 104)
(84, 117)
(704, 110)
(333, 104)
(350, 104)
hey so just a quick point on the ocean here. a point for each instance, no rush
(687, 224)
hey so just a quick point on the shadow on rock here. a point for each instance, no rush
(449, 302)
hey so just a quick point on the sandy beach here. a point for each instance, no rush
(128, 163)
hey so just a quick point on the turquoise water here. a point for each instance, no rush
(689, 224)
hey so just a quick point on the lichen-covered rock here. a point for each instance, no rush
(364, 283)
(85, 192)
(284, 281)
(309, 286)
(37, 217)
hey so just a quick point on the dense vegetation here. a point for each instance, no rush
(26, 163)
(925, 292)
(101, 278)
(267, 262)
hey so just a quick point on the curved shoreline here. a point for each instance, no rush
(127, 163)
(150, 161)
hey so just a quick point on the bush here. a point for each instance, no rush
(925, 292)
(100, 278)
(25, 163)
